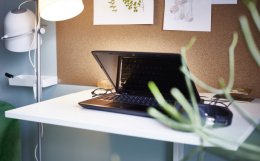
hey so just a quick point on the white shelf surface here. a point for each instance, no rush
(30, 81)
(65, 111)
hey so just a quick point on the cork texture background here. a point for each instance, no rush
(208, 58)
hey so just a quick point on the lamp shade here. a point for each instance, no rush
(59, 10)
(18, 27)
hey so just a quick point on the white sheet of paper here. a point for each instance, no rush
(224, 1)
(187, 15)
(115, 12)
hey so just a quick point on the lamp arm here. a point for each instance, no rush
(6, 37)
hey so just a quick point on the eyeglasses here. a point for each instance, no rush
(101, 91)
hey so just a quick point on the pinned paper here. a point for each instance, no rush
(119, 12)
(187, 15)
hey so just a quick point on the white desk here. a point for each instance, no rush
(65, 111)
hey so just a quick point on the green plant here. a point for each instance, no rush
(193, 122)
(9, 136)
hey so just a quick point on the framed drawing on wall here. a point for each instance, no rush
(123, 12)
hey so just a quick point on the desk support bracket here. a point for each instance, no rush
(178, 151)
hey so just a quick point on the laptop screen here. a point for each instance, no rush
(130, 72)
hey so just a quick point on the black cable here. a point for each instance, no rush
(216, 101)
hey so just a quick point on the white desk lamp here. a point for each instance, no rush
(20, 28)
(58, 10)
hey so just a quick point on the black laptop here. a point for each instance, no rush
(130, 72)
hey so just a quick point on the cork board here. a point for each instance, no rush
(208, 58)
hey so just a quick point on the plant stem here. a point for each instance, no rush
(249, 39)
(254, 13)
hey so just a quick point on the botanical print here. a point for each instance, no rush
(109, 12)
(132, 5)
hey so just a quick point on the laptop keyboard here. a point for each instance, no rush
(130, 99)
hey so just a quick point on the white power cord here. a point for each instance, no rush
(29, 53)
(19, 7)
(36, 147)
(34, 86)
(33, 64)
(34, 38)
(35, 152)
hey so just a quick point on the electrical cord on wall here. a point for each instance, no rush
(34, 38)
(19, 7)
(34, 86)
(35, 152)
(33, 64)
(36, 147)
(29, 53)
